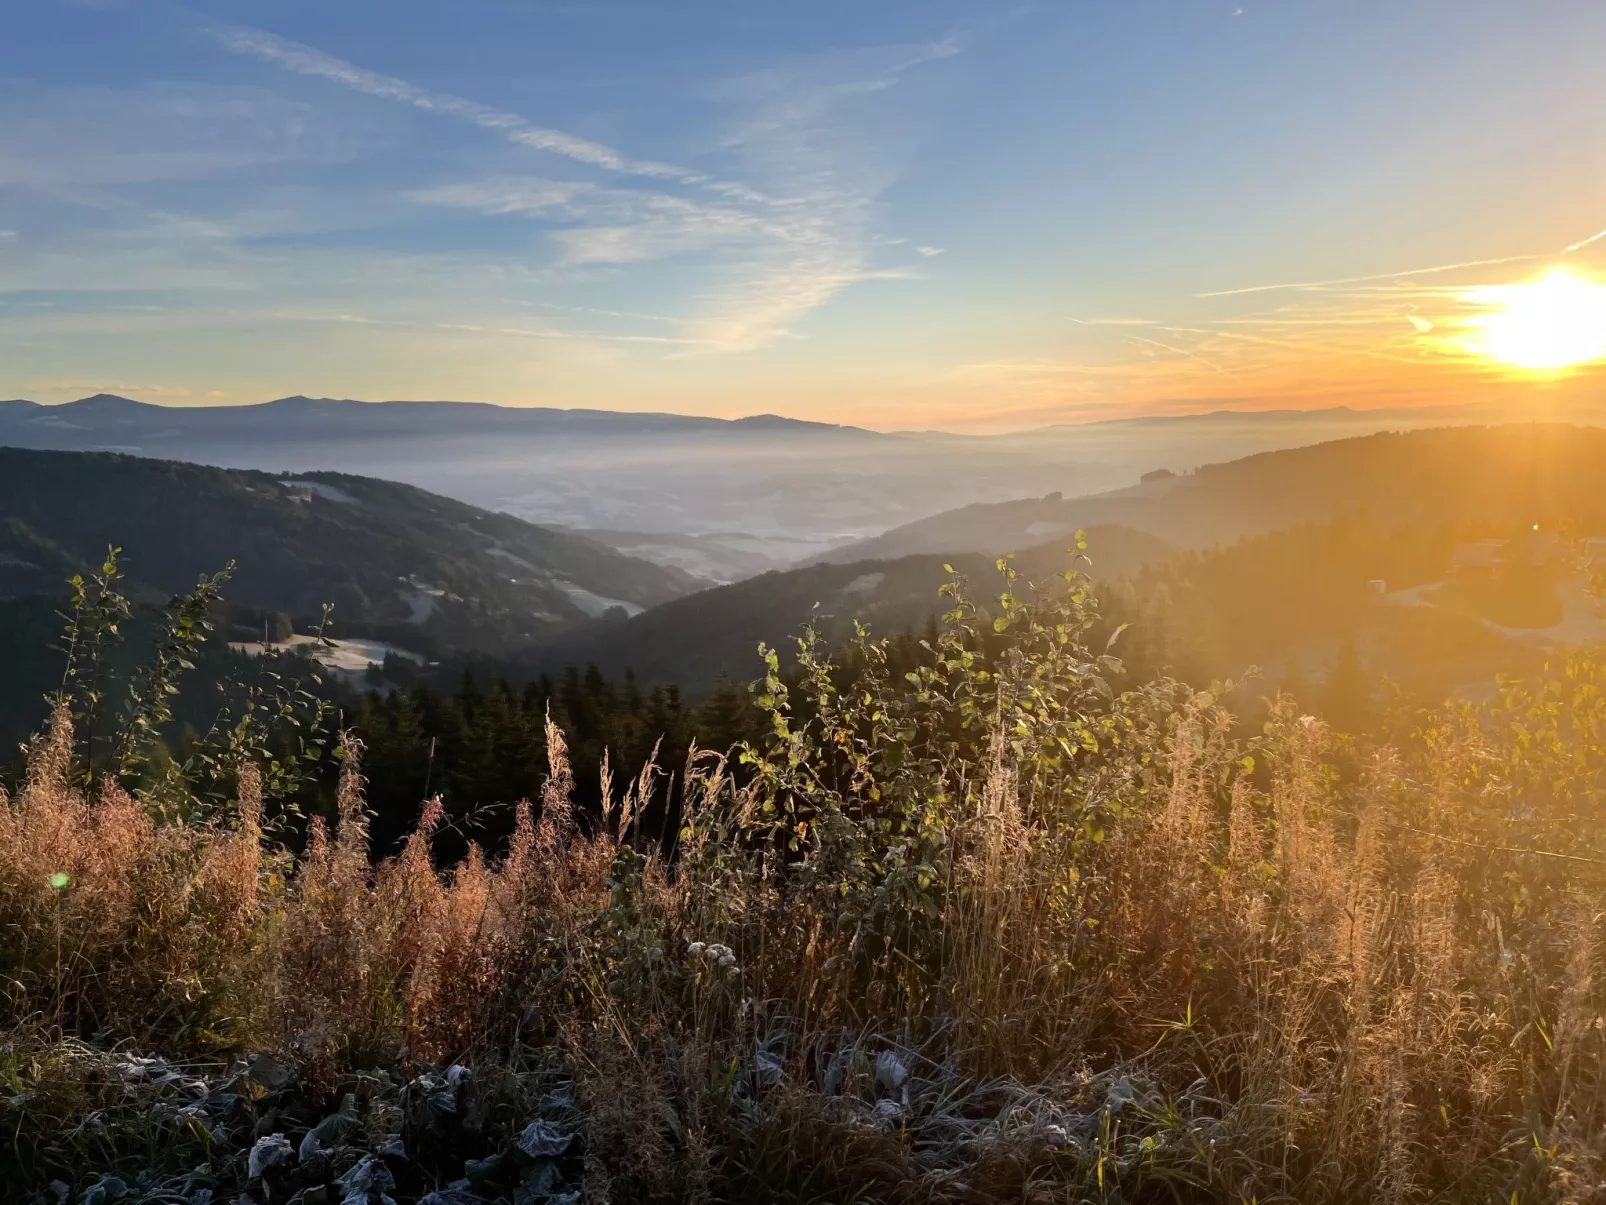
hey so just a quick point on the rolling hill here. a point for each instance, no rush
(717, 557)
(697, 640)
(390, 557)
(768, 491)
(1550, 474)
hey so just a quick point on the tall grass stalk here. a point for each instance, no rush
(998, 932)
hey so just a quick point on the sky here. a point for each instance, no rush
(902, 214)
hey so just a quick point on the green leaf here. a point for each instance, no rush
(60, 881)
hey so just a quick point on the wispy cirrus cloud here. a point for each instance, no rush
(285, 209)
(811, 134)
(81, 143)
(790, 235)
(305, 60)
(601, 225)
(480, 328)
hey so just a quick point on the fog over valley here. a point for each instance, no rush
(721, 499)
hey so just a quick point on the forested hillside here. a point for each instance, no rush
(697, 641)
(1516, 475)
(388, 557)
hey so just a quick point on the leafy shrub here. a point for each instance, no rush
(992, 931)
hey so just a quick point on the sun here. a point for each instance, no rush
(1555, 322)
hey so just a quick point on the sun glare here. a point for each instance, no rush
(1555, 322)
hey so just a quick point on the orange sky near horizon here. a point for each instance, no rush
(1438, 336)
(1426, 337)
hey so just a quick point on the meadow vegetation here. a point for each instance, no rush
(1000, 925)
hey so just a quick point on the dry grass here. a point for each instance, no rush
(1247, 976)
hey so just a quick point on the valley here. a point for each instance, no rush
(1200, 565)
(719, 499)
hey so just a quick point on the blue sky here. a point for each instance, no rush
(900, 213)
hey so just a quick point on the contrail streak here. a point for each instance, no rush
(1354, 280)
(1192, 355)
(1579, 246)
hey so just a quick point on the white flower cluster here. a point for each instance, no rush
(712, 953)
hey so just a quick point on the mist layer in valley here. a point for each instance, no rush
(720, 500)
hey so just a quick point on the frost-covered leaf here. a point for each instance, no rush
(369, 1176)
(480, 1171)
(891, 1073)
(269, 1153)
(888, 1111)
(543, 1178)
(267, 1071)
(543, 1140)
(768, 1068)
(332, 1130)
(105, 1190)
(455, 1193)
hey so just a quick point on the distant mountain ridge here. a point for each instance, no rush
(395, 415)
(348, 415)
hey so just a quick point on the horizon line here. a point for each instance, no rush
(1217, 411)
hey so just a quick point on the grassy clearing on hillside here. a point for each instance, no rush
(996, 932)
